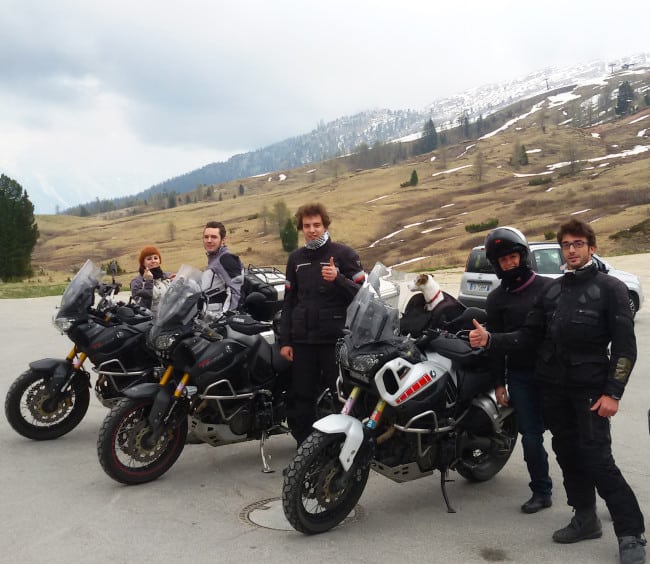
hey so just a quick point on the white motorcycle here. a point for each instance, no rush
(411, 407)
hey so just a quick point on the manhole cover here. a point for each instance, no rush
(268, 513)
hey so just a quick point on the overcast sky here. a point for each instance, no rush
(105, 98)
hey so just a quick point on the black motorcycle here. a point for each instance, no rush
(52, 396)
(411, 407)
(224, 383)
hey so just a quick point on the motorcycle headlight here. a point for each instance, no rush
(364, 362)
(164, 342)
(63, 324)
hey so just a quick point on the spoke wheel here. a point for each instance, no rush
(32, 413)
(124, 446)
(317, 493)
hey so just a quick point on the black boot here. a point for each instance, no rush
(583, 526)
(537, 502)
(632, 549)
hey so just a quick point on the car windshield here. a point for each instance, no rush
(478, 262)
(178, 306)
(548, 261)
(80, 293)
(373, 315)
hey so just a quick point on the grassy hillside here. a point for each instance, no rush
(427, 221)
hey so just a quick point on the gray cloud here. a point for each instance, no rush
(163, 85)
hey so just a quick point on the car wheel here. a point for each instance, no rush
(634, 303)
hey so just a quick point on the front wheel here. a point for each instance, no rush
(482, 458)
(34, 414)
(317, 493)
(125, 450)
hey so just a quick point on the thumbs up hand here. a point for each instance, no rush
(478, 337)
(329, 271)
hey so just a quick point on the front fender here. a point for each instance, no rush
(48, 365)
(144, 390)
(353, 430)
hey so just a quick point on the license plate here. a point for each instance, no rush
(479, 286)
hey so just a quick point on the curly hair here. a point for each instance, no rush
(308, 210)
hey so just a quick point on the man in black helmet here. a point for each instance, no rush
(586, 353)
(507, 306)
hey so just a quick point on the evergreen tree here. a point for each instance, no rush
(429, 140)
(523, 155)
(624, 99)
(18, 230)
(289, 236)
(414, 178)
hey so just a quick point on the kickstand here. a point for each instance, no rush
(443, 483)
(266, 469)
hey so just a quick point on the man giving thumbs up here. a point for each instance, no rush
(322, 279)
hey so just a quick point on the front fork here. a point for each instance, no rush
(356, 432)
(164, 403)
(63, 374)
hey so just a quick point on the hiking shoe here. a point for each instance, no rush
(632, 550)
(579, 530)
(537, 502)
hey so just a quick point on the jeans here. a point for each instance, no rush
(583, 445)
(526, 399)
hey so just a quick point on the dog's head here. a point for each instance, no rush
(422, 282)
(426, 284)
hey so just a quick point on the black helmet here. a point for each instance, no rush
(503, 241)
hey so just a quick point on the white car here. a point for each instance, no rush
(479, 278)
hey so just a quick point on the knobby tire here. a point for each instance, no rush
(312, 499)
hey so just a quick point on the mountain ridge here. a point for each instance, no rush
(345, 134)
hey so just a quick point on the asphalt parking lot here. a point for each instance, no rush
(58, 506)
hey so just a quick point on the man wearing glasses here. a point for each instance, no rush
(586, 349)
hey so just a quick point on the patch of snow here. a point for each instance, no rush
(378, 198)
(524, 175)
(312, 170)
(409, 261)
(596, 135)
(559, 99)
(433, 158)
(581, 211)
(282, 177)
(641, 133)
(506, 125)
(451, 170)
(638, 119)
(531, 151)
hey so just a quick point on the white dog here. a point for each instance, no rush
(426, 284)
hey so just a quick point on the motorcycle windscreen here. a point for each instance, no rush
(369, 317)
(80, 293)
(178, 304)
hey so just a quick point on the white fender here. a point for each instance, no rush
(353, 429)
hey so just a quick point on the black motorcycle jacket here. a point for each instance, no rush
(507, 309)
(585, 331)
(314, 310)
